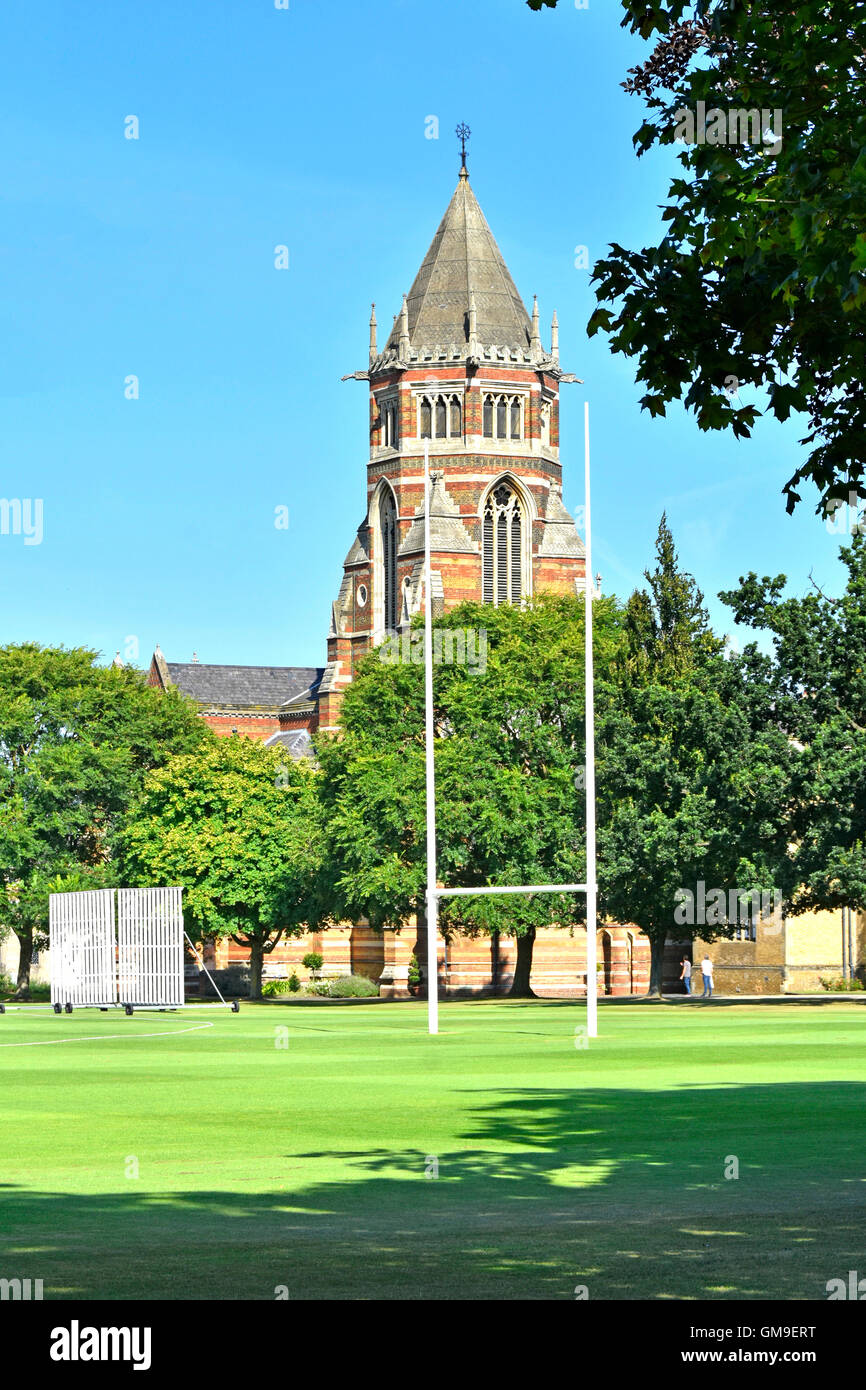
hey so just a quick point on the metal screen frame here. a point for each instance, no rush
(83, 954)
(117, 947)
(150, 946)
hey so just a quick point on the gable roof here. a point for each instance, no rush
(244, 685)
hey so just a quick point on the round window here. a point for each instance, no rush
(361, 594)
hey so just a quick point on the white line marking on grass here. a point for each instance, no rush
(108, 1037)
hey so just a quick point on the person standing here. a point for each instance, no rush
(707, 972)
(686, 974)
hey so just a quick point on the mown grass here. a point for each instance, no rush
(222, 1163)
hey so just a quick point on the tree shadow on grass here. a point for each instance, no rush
(629, 1193)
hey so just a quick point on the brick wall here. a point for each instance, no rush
(468, 965)
(251, 726)
(789, 956)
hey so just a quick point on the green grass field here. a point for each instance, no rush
(307, 1166)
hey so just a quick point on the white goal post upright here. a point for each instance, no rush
(430, 772)
(590, 888)
(589, 770)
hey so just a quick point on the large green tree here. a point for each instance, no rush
(76, 740)
(757, 289)
(509, 757)
(237, 827)
(692, 779)
(693, 771)
(819, 643)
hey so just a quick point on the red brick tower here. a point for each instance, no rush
(464, 368)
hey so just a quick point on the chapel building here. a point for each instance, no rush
(464, 374)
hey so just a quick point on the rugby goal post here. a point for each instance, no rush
(120, 948)
(434, 892)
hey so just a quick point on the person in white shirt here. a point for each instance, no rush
(686, 974)
(707, 972)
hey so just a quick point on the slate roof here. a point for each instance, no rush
(447, 531)
(463, 260)
(243, 685)
(560, 538)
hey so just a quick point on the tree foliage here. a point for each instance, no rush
(759, 282)
(76, 740)
(509, 759)
(691, 769)
(236, 826)
(693, 773)
(820, 674)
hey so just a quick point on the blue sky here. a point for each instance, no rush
(155, 258)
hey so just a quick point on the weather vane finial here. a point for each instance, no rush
(463, 133)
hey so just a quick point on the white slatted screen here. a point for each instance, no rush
(83, 957)
(150, 946)
(131, 954)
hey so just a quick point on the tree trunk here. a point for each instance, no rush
(25, 960)
(657, 956)
(256, 962)
(520, 986)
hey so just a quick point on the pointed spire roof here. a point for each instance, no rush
(463, 262)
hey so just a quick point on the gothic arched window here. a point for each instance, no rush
(440, 417)
(502, 547)
(388, 532)
(503, 417)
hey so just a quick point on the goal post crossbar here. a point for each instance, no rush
(522, 888)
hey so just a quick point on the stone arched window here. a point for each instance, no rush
(502, 417)
(440, 417)
(503, 527)
(388, 562)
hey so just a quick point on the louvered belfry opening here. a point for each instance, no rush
(388, 530)
(502, 578)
